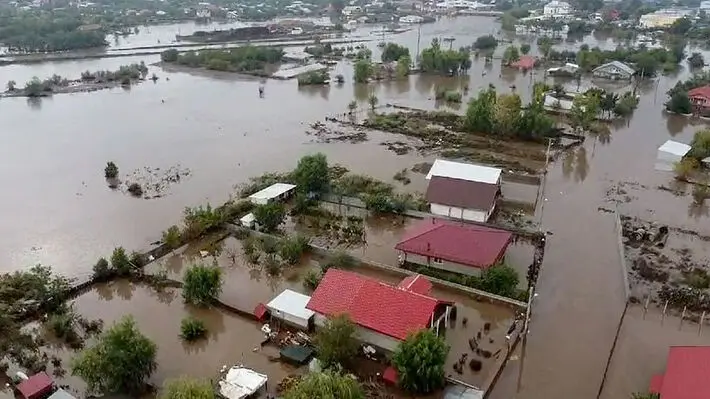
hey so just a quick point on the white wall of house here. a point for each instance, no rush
(475, 215)
(366, 335)
(442, 264)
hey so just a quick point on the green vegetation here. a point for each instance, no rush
(403, 67)
(679, 103)
(700, 146)
(524, 48)
(135, 189)
(192, 329)
(450, 96)
(321, 50)
(199, 220)
(202, 285)
(678, 95)
(121, 361)
(335, 343)
(511, 54)
(292, 248)
(339, 260)
(111, 170)
(312, 279)
(394, 52)
(172, 237)
(30, 32)
(646, 61)
(647, 395)
(325, 385)
(187, 388)
(487, 43)
(246, 59)
(686, 168)
(419, 362)
(363, 71)
(11, 85)
(314, 78)
(311, 174)
(269, 216)
(373, 100)
(434, 59)
(120, 262)
(696, 60)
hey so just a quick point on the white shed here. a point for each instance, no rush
(290, 306)
(464, 171)
(248, 220)
(670, 153)
(275, 192)
(241, 383)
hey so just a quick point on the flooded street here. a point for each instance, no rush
(58, 210)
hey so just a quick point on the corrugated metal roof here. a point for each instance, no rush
(617, 64)
(292, 303)
(675, 148)
(273, 191)
(465, 171)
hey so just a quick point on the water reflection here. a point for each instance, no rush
(675, 123)
(697, 210)
(35, 103)
(315, 90)
(575, 164)
(361, 91)
(424, 84)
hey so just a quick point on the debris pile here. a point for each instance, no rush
(327, 134)
(154, 182)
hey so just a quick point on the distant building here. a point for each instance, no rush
(557, 8)
(686, 375)
(463, 191)
(525, 62)
(567, 70)
(615, 70)
(705, 5)
(453, 246)
(700, 98)
(411, 19)
(662, 18)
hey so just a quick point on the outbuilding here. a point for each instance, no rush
(290, 307)
(275, 192)
(669, 154)
(37, 386)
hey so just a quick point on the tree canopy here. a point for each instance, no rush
(393, 52)
(239, 59)
(120, 362)
(434, 59)
(269, 216)
(311, 174)
(325, 385)
(335, 342)
(202, 284)
(187, 388)
(419, 361)
(363, 71)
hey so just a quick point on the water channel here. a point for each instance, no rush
(57, 210)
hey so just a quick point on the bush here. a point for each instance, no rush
(102, 270)
(199, 220)
(680, 103)
(120, 262)
(339, 260)
(192, 329)
(187, 388)
(172, 237)
(272, 265)
(202, 284)
(135, 189)
(111, 170)
(270, 216)
(292, 248)
(685, 168)
(419, 362)
(335, 342)
(312, 279)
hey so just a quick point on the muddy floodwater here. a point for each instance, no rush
(57, 209)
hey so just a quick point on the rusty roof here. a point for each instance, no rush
(461, 193)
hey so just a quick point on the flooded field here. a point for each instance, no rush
(60, 211)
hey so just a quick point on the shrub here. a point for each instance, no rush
(135, 189)
(192, 329)
(339, 260)
(292, 248)
(102, 270)
(202, 284)
(269, 244)
(172, 237)
(270, 216)
(272, 265)
(685, 168)
(120, 262)
(419, 361)
(312, 279)
(111, 170)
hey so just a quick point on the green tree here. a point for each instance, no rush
(480, 114)
(680, 103)
(202, 284)
(545, 46)
(585, 109)
(680, 26)
(352, 106)
(35, 87)
(646, 64)
(393, 52)
(11, 85)
(419, 362)
(335, 342)
(403, 66)
(120, 362)
(111, 170)
(500, 280)
(187, 388)
(524, 48)
(373, 100)
(192, 329)
(487, 42)
(685, 168)
(102, 270)
(363, 71)
(696, 60)
(120, 262)
(511, 54)
(311, 174)
(700, 146)
(172, 237)
(291, 248)
(269, 216)
(507, 112)
(608, 102)
(325, 385)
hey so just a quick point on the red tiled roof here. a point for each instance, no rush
(260, 311)
(416, 283)
(461, 193)
(372, 304)
(462, 243)
(36, 386)
(525, 62)
(703, 91)
(686, 376)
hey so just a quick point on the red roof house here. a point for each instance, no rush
(524, 62)
(36, 387)
(416, 283)
(385, 314)
(686, 375)
(454, 246)
(700, 96)
(459, 198)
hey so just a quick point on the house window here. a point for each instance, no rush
(438, 260)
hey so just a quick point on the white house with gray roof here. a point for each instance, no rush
(615, 70)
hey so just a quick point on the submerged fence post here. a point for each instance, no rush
(663, 317)
(682, 316)
(700, 325)
(645, 307)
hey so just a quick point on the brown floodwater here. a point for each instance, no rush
(58, 210)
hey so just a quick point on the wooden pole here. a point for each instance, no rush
(645, 307)
(700, 325)
(525, 337)
(663, 317)
(682, 316)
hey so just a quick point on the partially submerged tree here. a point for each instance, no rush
(291, 248)
(202, 284)
(192, 329)
(120, 362)
(394, 52)
(269, 216)
(419, 361)
(352, 106)
(325, 385)
(363, 71)
(120, 262)
(511, 54)
(111, 170)
(187, 388)
(696, 60)
(11, 85)
(172, 237)
(373, 100)
(335, 342)
(102, 270)
(311, 174)
(524, 48)
(680, 103)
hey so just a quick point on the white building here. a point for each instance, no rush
(557, 8)
(290, 307)
(275, 192)
(463, 191)
(411, 19)
(662, 18)
(669, 154)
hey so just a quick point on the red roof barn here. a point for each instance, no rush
(454, 246)
(524, 62)
(38, 386)
(686, 376)
(385, 314)
(700, 96)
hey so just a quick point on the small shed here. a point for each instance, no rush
(248, 220)
(275, 192)
(241, 383)
(36, 387)
(290, 306)
(61, 394)
(670, 153)
(296, 354)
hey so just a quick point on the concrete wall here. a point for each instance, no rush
(444, 265)
(474, 215)
(365, 335)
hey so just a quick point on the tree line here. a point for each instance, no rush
(240, 59)
(48, 32)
